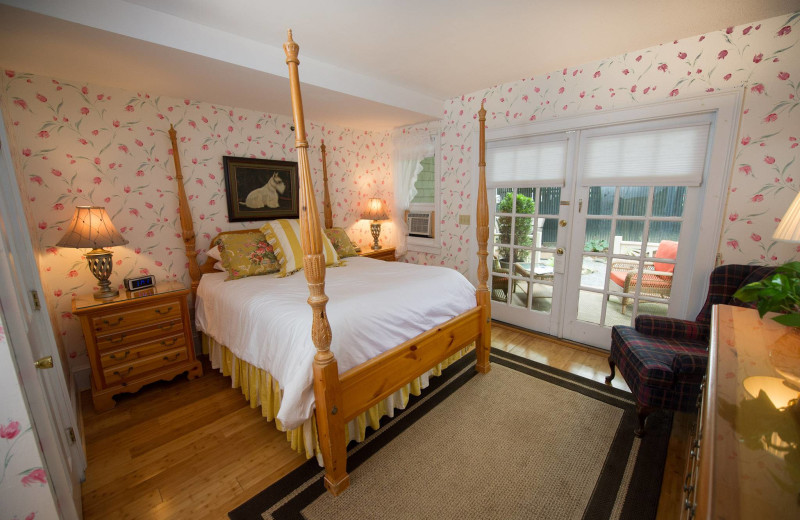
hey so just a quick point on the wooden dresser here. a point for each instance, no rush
(386, 254)
(745, 455)
(135, 339)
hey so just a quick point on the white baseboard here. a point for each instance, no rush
(83, 378)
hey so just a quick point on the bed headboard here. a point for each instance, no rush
(187, 227)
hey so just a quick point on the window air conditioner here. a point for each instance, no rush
(420, 224)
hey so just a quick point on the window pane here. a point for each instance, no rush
(663, 231)
(668, 201)
(633, 201)
(548, 232)
(524, 231)
(426, 182)
(549, 201)
(502, 195)
(598, 235)
(502, 229)
(601, 200)
(628, 237)
(593, 271)
(590, 304)
(525, 200)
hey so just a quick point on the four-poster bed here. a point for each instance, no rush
(339, 398)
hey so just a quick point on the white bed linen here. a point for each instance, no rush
(373, 306)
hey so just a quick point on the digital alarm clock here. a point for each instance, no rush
(139, 282)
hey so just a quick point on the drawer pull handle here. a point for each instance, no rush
(167, 326)
(119, 374)
(108, 322)
(115, 356)
(163, 312)
(174, 358)
(118, 340)
(164, 342)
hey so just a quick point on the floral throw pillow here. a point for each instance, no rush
(247, 254)
(341, 242)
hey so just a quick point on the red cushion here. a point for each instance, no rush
(666, 249)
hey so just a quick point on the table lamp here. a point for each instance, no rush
(92, 227)
(376, 210)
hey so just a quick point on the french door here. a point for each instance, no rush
(618, 233)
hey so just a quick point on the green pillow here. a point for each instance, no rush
(247, 254)
(341, 242)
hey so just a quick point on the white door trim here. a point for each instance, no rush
(726, 104)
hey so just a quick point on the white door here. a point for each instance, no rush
(636, 198)
(527, 270)
(626, 256)
(31, 337)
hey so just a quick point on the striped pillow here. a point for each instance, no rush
(284, 237)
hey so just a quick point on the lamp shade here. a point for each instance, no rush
(376, 210)
(789, 228)
(91, 227)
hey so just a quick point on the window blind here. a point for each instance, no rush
(526, 162)
(631, 156)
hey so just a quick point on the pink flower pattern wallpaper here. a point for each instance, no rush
(762, 58)
(77, 143)
(82, 144)
(24, 491)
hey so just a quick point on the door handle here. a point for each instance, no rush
(45, 362)
(560, 251)
(562, 223)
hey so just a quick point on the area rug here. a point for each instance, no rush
(523, 441)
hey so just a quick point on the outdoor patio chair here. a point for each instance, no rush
(656, 276)
(663, 360)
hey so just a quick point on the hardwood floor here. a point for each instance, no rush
(195, 449)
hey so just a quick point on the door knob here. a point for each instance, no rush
(45, 362)
(560, 251)
(562, 223)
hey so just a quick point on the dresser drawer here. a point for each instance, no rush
(136, 317)
(122, 373)
(127, 354)
(116, 340)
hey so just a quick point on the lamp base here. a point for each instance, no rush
(375, 229)
(100, 265)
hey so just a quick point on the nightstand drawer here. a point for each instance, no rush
(134, 352)
(136, 317)
(123, 373)
(130, 337)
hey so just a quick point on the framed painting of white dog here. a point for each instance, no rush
(260, 189)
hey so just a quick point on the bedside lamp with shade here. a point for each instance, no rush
(376, 211)
(92, 227)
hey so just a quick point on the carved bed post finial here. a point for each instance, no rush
(187, 228)
(482, 295)
(326, 201)
(327, 393)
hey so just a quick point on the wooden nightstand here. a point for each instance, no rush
(386, 254)
(136, 338)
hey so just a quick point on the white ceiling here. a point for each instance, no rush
(368, 64)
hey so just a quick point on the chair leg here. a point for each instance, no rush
(613, 372)
(642, 412)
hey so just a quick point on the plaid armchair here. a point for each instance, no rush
(663, 360)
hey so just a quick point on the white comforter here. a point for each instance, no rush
(374, 306)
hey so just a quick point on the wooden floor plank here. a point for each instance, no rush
(195, 449)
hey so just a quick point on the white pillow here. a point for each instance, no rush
(284, 237)
(219, 267)
(214, 253)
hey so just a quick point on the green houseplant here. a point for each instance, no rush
(779, 292)
(523, 225)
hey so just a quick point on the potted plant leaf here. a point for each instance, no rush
(779, 292)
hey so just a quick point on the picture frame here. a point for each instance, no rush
(261, 189)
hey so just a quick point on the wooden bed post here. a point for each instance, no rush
(326, 201)
(187, 228)
(330, 423)
(483, 344)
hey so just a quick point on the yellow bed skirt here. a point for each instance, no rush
(261, 389)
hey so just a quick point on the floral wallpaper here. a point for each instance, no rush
(78, 144)
(763, 58)
(24, 490)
